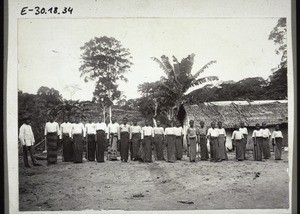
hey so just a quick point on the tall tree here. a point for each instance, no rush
(105, 61)
(179, 79)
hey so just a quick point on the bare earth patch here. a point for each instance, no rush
(158, 185)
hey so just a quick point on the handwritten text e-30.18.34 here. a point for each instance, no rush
(41, 10)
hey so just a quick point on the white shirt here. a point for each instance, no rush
(124, 128)
(134, 130)
(257, 133)
(178, 131)
(212, 132)
(147, 131)
(221, 131)
(101, 126)
(158, 130)
(90, 128)
(169, 131)
(26, 135)
(51, 127)
(77, 128)
(276, 134)
(113, 128)
(65, 128)
(244, 130)
(237, 135)
(265, 132)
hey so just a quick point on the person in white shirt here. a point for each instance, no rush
(178, 131)
(65, 131)
(222, 142)
(266, 134)
(170, 143)
(257, 143)
(78, 135)
(277, 138)
(101, 139)
(51, 136)
(191, 136)
(124, 135)
(27, 139)
(202, 141)
(212, 135)
(237, 140)
(244, 130)
(113, 134)
(90, 129)
(159, 141)
(147, 140)
(135, 138)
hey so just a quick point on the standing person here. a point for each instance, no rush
(191, 137)
(202, 141)
(135, 138)
(78, 134)
(170, 143)
(27, 139)
(65, 137)
(90, 130)
(257, 143)
(244, 130)
(51, 134)
(101, 139)
(159, 140)
(277, 142)
(222, 142)
(212, 134)
(237, 140)
(178, 131)
(113, 133)
(266, 138)
(124, 135)
(147, 139)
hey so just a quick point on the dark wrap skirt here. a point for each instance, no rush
(203, 148)
(244, 143)
(170, 141)
(91, 147)
(214, 148)
(100, 145)
(67, 148)
(77, 148)
(239, 151)
(159, 146)
(147, 146)
(266, 147)
(52, 147)
(257, 148)
(124, 141)
(178, 147)
(222, 147)
(136, 142)
(278, 147)
(193, 149)
(112, 147)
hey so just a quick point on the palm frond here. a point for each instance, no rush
(203, 68)
(162, 66)
(204, 80)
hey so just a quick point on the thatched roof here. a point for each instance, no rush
(233, 112)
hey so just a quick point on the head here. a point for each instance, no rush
(65, 119)
(220, 124)
(178, 123)
(277, 127)
(26, 120)
(242, 124)
(51, 119)
(191, 123)
(202, 124)
(213, 125)
(100, 119)
(90, 120)
(77, 119)
(235, 127)
(147, 123)
(134, 122)
(263, 125)
(125, 120)
(113, 119)
(257, 126)
(158, 123)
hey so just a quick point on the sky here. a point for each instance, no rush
(49, 49)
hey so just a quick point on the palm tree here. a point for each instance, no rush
(180, 79)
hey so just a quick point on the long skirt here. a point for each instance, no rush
(203, 148)
(77, 148)
(278, 148)
(214, 148)
(257, 149)
(266, 147)
(67, 148)
(222, 147)
(91, 147)
(170, 141)
(193, 149)
(51, 148)
(112, 147)
(244, 142)
(124, 146)
(141, 153)
(158, 140)
(147, 145)
(239, 151)
(178, 147)
(100, 145)
(135, 144)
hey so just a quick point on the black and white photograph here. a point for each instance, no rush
(153, 113)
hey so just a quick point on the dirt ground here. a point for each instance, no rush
(155, 186)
